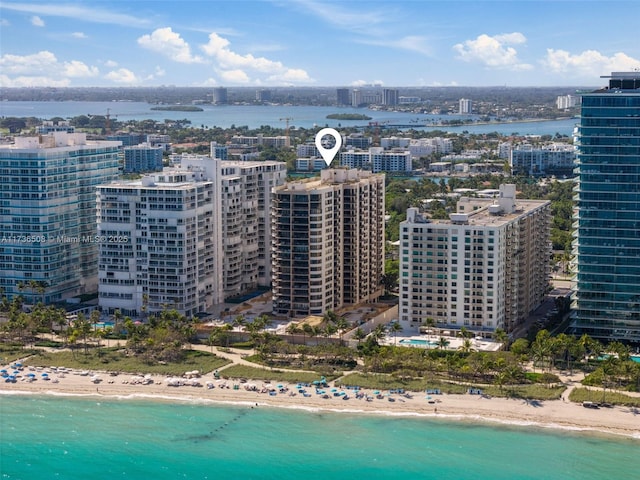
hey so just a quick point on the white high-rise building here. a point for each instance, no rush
(465, 106)
(236, 229)
(564, 102)
(487, 267)
(243, 207)
(158, 244)
(328, 242)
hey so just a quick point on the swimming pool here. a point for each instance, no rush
(417, 341)
(635, 359)
(103, 324)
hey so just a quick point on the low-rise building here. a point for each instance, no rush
(553, 159)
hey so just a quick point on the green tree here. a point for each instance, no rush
(443, 343)
(359, 335)
(395, 328)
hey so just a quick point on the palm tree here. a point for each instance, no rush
(359, 335)
(620, 349)
(117, 316)
(21, 286)
(82, 327)
(145, 305)
(501, 337)
(94, 319)
(293, 329)
(342, 325)
(330, 317)
(213, 338)
(467, 346)
(429, 322)
(41, 288)
(306, 330)
(33, 286)
(227, 335)
(464, 332)
(239, 321)
(328, 330)
(395, 328)
(378, 334)
(563, 344)
(541, 348)
(443, 343)
(315, 332)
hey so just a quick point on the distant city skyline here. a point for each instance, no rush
(311, 43)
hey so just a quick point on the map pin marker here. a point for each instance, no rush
(328, 153)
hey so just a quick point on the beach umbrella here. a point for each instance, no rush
(18, 364)
(45, 374)
(31, 375)
(334, 389)
(3, 370)
(376, 392)
(280, 386)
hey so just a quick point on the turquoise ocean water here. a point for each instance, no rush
(46, 437)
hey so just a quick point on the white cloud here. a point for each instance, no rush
(170, 44)
(353, 20)
(412, 43)
(494, 52)
(93, 13)
(79, 35)
(32, 81)
(363, 83)
(235, 76)
(122, 76)
(37, 21)
(588, 63)
(42, 69)
(111, 64)
(4, 22)
(75, 68)
(295, 75)
(377, 26)
(235, 65)
(25, 64)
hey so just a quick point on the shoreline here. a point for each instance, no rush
(558, 415)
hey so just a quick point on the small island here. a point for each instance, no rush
(348, 116)
(179, 108)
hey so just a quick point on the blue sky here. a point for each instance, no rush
(316, 43)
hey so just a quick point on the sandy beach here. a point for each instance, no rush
(559, 414)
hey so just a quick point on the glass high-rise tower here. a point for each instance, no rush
(48, 213)
(606, 298)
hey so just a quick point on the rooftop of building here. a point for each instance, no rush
(173, 179)
(485, 212)
(61, 140)
(331, 176)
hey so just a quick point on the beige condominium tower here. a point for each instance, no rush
(328, 242)
(487, 267)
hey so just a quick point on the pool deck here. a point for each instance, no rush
(454, 342)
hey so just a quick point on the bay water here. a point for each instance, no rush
(50, 437)
(255, 116)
